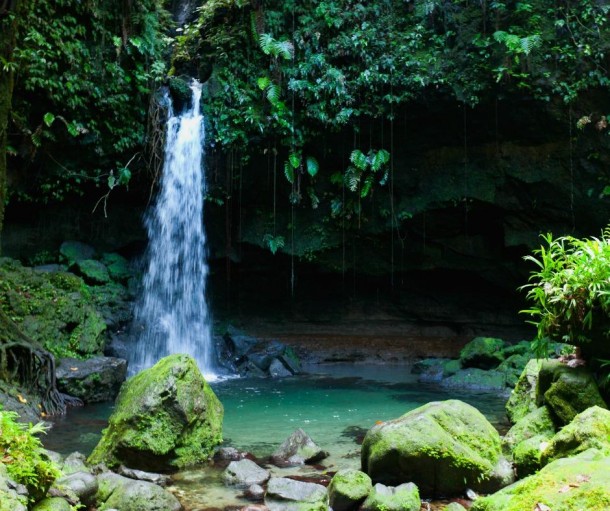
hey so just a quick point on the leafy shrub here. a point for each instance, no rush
(23, 455)
(570, 292)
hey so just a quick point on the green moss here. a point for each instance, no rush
(536, 423)
(52, 504)
(527, 455)
(581, 482)
(522, 399)
(165, 417)
(589, 429)
(348, 488)
(482, 352)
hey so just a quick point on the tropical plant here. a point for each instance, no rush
(569, 293)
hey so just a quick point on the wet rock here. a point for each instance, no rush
(348, 489)
(442, 447)
(255, 492)
(254, 507)
(285, 494)
(278, 370)
(400, 498)
(93, 380)
(52, 504)
(483, 353)
(244, 473)
(166, 417)
(82, 484)
(454, 506)
(93, 272)
(229, 454)
(476, 379)
(74, 251)
(298, 449)
(141, 475)
(589, 429)
(432, 374)
(122, 493)
(567, 391)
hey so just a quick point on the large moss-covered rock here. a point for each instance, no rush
(522, 399)
(527, 455)
(476, 379)
(567, 391)
(589, 429)
(166, 417)
(482, 352)
(53, 309)
(386, 498)
(117, 266)
(443, 447)
(52, 504)
(513, 367)
(348, 488)
(118, 492)
(93, 272)
(569, 484)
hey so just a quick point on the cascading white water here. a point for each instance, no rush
(172, 313)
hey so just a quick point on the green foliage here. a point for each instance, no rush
(569, 291)
(23, 455)
(274, 243)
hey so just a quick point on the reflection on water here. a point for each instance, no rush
(335, 405)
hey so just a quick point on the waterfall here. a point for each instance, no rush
(171, 315)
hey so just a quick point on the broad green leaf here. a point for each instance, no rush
(312, 166)
(48, 119)
(295, 160)
(289, 172)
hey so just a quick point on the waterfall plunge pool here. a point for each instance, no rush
(334, 404)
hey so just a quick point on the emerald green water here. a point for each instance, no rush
(335, 405)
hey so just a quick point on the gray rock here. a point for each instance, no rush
(298, 449)
(122, 493)
(278, 370)
(141, 475)
(73, 251)
(387, 498)
(74, 462)
(82, 484)
(229, 453)
(285, 494)
(9, 496)
(93, 380)
(244, 473)
(255, 492)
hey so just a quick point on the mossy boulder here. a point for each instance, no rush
(527, 455)
(534, 424)
(118, 492)
(513, 367)
(348, 489)
(92, 271)
(567, 391)
(443, 447)
(522, 399)
(166, 417)
(94, 380)
(482, 352)
(387, 498)
(589, 429)
(52, 504)
(53, 309)
(577, 483)
(71, 252)
(454, 506)
(117, 266)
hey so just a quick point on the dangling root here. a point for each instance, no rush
(25, 363)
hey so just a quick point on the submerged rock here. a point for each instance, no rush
(386, 498)
(580, 482)
(443, 447)
(118, 492)
(589, 429)
(476, 379)
(285, 494)
(348, 489)
(93, 380)
(166, 417)
(298, 449)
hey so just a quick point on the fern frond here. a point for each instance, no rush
(289, 172)
(359, 160)
(266, 43)
(379, 159)
(366, 186)
(273, 93)
(312, 166)
(263, 82)
(285, 49)
(295, 160)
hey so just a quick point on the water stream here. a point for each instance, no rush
(171, 316)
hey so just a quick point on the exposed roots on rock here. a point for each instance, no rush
(23, 362)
